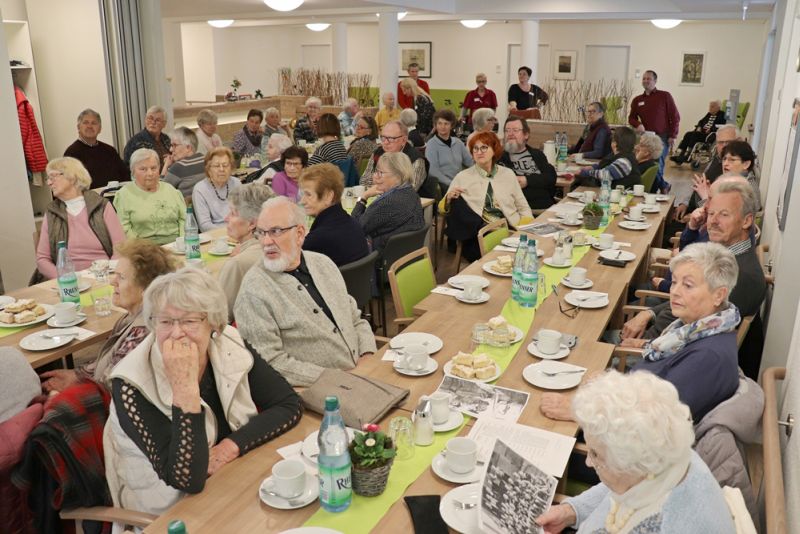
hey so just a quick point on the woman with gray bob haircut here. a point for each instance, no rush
(207, 137)
(639, 437)
(189, 399)
(408, 118)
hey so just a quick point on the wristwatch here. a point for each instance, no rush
(360, 200)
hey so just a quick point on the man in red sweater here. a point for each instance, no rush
(655, 111)
(413, 73)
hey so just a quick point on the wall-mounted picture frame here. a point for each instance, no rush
(415, 52)
(693, 66)
(565, 65)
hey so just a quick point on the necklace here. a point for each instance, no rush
(615, 523)
(214, 187)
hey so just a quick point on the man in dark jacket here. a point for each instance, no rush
(535, 175)
(708, 124)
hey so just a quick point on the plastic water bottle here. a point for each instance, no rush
(529, 277)
(191, 236)
(67, 281)
(562, 147)
(335, 491)
(176, 526)
(519, 258)
(604, 199)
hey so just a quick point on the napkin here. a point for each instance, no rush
(83, 333)
(294, 452)
(503, 248)
(425, 514)
(444, 290)
(390, 355)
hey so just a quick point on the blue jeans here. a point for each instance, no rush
(659, 183)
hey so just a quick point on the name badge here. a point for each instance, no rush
(641, 103)
(477, 99)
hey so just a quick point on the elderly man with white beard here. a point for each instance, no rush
(293, 308)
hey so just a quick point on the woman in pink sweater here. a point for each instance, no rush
(77, 215)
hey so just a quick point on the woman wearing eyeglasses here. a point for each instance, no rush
(366, 139)
(482, 194)
(210, 196)
(189, 399)
(294, 159)
(738, 158)
(478, 98)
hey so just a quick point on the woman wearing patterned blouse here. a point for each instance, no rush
(366, 139)
(247, 141)
(210, 196)
(332, 149)
(189, 399)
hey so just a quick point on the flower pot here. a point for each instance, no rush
(591, 222)
(371, 482)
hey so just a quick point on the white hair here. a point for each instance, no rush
(745, 191)
(718, 263)
(297, 213)
(313, 100)
(408, 118)
(638, 418)
(270, 112)
(282, 141)
(188, 289)
(143, 154)
(184, 136)
(733, 127)
(349, 103)
(89, 111)
(249, 198)
(206, 116)
(481, 116)
(652, 143)
(156, 109)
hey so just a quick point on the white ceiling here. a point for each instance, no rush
(427, 10)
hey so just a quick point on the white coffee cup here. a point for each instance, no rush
(440, 407)
(180, 244)
(472, 290)
(220, 245)
(413, 357)
(638, 189)
(605, 241)
(289, 478)
(635, 212)
(571, 218)
(615, 196)
(588, 196)
(558, 257)
(577, 275)
(461, 455)
(66, 312)
(549, 341)
(650, 199)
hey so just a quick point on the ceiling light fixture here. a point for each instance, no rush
(473, 24)
(221, 23)
(665, 24)
(745, 7)
(318, 26)
(284, 5)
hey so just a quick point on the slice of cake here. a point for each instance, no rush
(481, 360)
(6, 317)
(462, 358)
(463, 371)
(485, 372)
(24, 317)
(497, 322)
(39, 310)
(503, 264)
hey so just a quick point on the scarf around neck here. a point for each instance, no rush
(677, 335)
(255, 139)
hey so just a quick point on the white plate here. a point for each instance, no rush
(480, 300)
(55, 324)
(48, 312)
(517, 333)
(565, 223)
(662, 198)
(429, 368)
(549, 262)
(455, 420)
(449, 365)
(310, 530)
(205, 238)
(215, 253)
(575, 194)
(579, 215)
(632, 225)
(309, 495)
(488, 268)
(599, 302)
(597, 247)
(513, 242)
(431, 342)
(533, 374)
(629, 218)
(5, 299)
(310, 449)
(37, 341)
(563, 352)
(458, 281)
(83, 285)
(623, 255)
(439, 466)
(654, 209)
(463, 521)
(586, 285)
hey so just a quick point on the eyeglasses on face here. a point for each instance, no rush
(731, 159)
(389, 139)
(513, 130)
(290, 163)
(220, 166)
(55, 174)
(277, 231)
(187, 324)
(381, 173)
(483, 149)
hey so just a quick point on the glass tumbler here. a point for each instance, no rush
(401, 430)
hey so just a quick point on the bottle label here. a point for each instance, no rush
(334, 485)
(192, 248)
(68, 289)
(528, 289)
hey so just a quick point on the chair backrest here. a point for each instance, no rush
(613, 106)
(741, 330)
(491, 235)
(357, 277)
(401, 244)
(741, 113)
(348, 168)
(648, 177)
(411, 279)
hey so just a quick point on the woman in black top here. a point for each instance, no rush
(525, 95)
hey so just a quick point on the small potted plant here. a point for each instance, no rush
(236, 84)
(372, 454)
(592, 215)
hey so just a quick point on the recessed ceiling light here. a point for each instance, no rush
(400, 15)
(318, 26)
(284, 5)
(472, 24)
(665, 24)
(222, 23)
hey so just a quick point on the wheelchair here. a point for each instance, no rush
(699, 154)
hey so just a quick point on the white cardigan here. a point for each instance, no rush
(507, 192)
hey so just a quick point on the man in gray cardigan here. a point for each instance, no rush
(293, 308)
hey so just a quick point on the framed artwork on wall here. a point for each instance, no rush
(693, 65)
(418, 52)
(566, 65)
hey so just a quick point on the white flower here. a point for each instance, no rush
(370, 442)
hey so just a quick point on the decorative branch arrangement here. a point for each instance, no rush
(569, 98)
(316, 82)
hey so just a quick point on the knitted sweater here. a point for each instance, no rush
(158, 216)
(446, 160)
(507, 193)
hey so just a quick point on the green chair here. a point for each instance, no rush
(648, 177)
(491, 235)
(614, 113)
(411, 279)
(741, 113)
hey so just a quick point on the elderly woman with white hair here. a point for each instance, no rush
(207, 136)
(147, 207)
(210, 196)
(274, 148)
(408, 118)
(189, 399)
(77, 215)
(273, 125)
(483, 120)
(152, 136)
(389, 111)
(647, 152)
(245, 206)
(639, 435)
(306, 127)
(349, 117)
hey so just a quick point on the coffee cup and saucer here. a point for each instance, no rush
(220, 247)
(473, 293)
(458, 463)
(289, 486)
(444, 417)
(576, 279)
(414, 360)
(548, 345)
(66, 314)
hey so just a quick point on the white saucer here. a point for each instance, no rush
(565, 223)
(463, 521)
(439, 466)
(533, 374)
(449, 366)
(549, 262)
(575, 194)
(455, 420)
(632, 225)
(599, 302)
(309, 495)
(597, 247)
(563, 352)
(84, 284)
(488, 268)
(429, 368)
(623, 255)
(55, 324)
(429, 341)
(654, 209)
(458, 281)
(512, 241)
(205, 238)
(36, 341)
(629, 218)
(310, 448)
(215, 253)
(483, 298)
(662, 198)
(586, 285)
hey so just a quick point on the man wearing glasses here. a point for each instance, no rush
(535, 175)
(151, 136)
(595, 143)
(394, 138)
(293, 308)
(478, 98)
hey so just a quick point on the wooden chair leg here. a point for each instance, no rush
(457, 261)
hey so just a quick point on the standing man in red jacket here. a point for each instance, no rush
(655, 111)
(413, 73)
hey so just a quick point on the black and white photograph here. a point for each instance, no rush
(692, 68)
(482, 400)
(565, 65)
(514, 493)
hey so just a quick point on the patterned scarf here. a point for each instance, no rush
(255, 139)
(677, 335)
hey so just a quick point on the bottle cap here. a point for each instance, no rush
(189, 209)
(62, 244)
(331, 403)
(176, 527)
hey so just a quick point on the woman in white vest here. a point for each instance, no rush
(189, 399)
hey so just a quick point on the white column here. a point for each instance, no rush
(339, 46)
(529, 50)
(173, 56)
(389, 31)
(155, 74)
